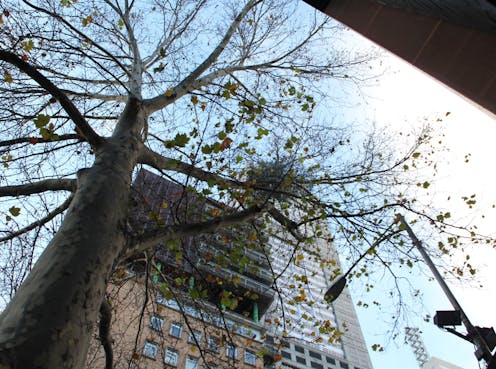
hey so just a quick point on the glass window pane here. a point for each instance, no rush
(250, 358)
(191, 363)
(150, 350)
(231, 351)
(157, 322)
(171, 357)
(214, 343)
(176, 329)
(194, 334)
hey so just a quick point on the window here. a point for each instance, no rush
(299, 349)
(330, 360)
(231, 351)
(194, 334)
(176, 329)
(343, 365)
(213, 343)
(191, 363)
(314, 354)
(250, 358)
(150, 350)
(315, 365)
(157, 322)
(301, 360)
(171, 357)
(286, 355)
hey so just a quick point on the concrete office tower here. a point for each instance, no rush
(435, 363)
(308, 329)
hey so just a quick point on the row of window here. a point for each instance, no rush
(175, 329)
(208, 317)
(171, 356)
(314, 355)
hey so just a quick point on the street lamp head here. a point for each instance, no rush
(445, 318)
(335, 290)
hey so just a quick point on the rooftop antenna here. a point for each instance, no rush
(412, 337)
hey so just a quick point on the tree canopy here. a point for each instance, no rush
(227, 100)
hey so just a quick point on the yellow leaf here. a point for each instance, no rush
(1, 19)
(194, 99)
(27, 45)
(169, 92)
(87, 20)
(7, 77)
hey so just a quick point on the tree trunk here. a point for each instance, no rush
(49, 322)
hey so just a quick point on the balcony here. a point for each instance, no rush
(243, 283)
(258, 270)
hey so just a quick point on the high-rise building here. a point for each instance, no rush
(435, 363)
(192, 303)
(218, 307)
(315, 334)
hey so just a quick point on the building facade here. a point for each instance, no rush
(315, 334)
(435, 363)
(452, 40)
(214, 302)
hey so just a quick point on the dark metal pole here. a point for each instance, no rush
(474, 334)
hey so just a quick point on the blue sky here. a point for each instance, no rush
(406, 97)
(402, 97)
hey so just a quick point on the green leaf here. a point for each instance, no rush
(41, 120)
(181, 140)
(415, 155)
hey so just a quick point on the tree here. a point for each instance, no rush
(94, 91)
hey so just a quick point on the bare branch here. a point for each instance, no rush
(155, 237)
(165, 42)
(90, 135)
(37, 187)
(39, 222)
(287, 223)
(35, 140)
(104, 332)
(79, 33)
(160, 162)
(186, 85)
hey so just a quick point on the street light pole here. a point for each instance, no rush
(483, 351)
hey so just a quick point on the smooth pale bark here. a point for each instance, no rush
(49, 322)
